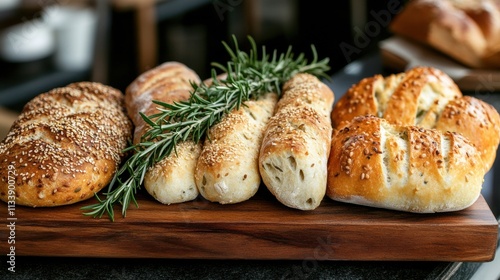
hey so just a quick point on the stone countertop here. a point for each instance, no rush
(78, 268)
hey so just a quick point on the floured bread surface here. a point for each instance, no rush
(294, 155)
(65, 146)
(170, 180)
(227, 170)
(406, 168)
(294, 152)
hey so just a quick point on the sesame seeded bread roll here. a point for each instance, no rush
(414, 97)
(170, 180)
(294, 153)
(406, 168)
(227, 170)
(424, 97)
(475, 119)
(65, 146)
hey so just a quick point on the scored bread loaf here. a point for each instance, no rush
(409, 98)
(294, 153)
(467, 31)
(65, 146)
(425, 97)
(407, 168)
(170, 180)
(227, 170)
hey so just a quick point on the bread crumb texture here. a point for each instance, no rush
(294, 152)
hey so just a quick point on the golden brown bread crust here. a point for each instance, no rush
(405, 168)
(173, 75)
(424, 97)
(477, 121)
(169, 82)
(399, 98)
(65, 146)
(486, 14)
(468, 31)
(305, 90)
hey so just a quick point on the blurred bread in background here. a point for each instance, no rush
(465, 30)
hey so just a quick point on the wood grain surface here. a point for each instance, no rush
(260, 228)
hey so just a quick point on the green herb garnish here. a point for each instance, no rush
(248, 77)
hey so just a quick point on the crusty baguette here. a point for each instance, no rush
(227, 170)
(294, 153)
(171, 180)
(169, 82)
(405, 168)
(467, 31)
(65, 146)
(425, 97)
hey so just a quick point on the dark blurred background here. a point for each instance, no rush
(50, 43)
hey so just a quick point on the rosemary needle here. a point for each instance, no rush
(248, 76)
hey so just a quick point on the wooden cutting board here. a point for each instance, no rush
(260, 228)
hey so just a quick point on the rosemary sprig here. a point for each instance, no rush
(248, 77)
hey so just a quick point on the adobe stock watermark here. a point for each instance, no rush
(363, 37)
(323, 251)
(222, 7)
(487, 84)
(11, 217)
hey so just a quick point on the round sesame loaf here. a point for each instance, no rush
(65, 146)
(407, 168)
